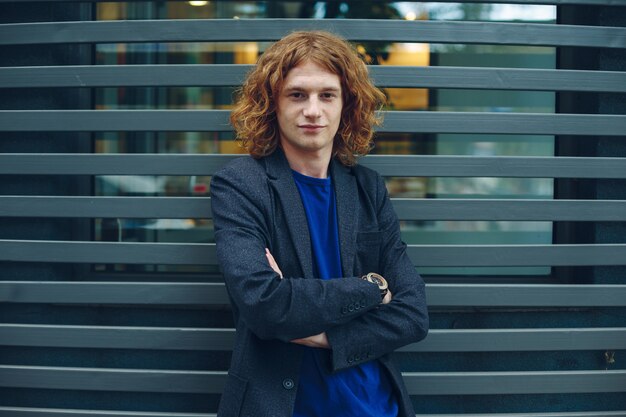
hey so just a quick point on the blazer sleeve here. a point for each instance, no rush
(271, 307)
(390, 326)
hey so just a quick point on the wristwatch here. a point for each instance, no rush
(377, 279)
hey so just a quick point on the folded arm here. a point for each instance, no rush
(319, 340)
(274, 308)
(403, 320)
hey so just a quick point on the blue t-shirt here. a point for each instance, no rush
(362, 390)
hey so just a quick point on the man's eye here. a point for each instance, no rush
(296, 95)
(328, 96)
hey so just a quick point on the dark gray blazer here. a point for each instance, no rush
(256, 205)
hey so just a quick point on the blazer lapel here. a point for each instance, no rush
(281, 179)
(347, 213)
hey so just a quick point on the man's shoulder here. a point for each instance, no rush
(241, 167)
(363, 171)
(369, 180)
(365, 175)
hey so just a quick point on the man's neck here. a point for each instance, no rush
(313, 164)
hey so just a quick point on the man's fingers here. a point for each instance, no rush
(318, 341)
(272, 261)
(388, 297)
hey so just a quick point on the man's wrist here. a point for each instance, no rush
(377, 279)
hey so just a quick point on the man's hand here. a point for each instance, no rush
(317, 341)
(272, 261)
(387, 298)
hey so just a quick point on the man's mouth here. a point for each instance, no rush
(311, 127)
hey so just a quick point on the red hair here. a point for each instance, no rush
(254, 113)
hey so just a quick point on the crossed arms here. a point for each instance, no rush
(318, 340)
(346, 314)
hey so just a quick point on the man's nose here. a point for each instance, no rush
(312, 108)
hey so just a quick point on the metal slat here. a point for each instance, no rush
(108, 252)
(144, 293)
(395, 121)
(526, 295)
(106, 207)
(50, 412)
(384, 76)
(118, 164)
(498, 78)
(545, 2)
(214, 75)
(547, 414)
(514, 340)
(101, 379)
(114, 120)
(406, 208)
(517, 255)
(509, 210)
(438, 340)
(202, 382)
(486, 122)
(204, 253)
(117, 337)
(233, 30)
(386, 165)
(60, 412)
(207, 294)
(484, 383)
(514, 167)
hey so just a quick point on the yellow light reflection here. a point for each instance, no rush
(411, 54)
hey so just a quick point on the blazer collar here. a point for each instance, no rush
(281, 177)
(347, 213)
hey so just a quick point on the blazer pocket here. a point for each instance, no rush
(232, 396)
(368, 251)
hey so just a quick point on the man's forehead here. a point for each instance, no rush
(311, 75)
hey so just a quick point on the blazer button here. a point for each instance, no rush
(351, 308)
(288, 383)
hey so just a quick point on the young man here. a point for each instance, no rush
(320, 283)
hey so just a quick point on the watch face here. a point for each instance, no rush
(376, 280)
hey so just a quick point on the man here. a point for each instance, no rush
(320, 283)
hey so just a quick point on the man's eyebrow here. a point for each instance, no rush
(299, 88)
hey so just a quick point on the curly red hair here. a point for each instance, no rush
(254, 113)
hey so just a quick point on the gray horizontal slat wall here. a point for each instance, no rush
(204, 382)
(74, 327)
(36, 412)
(387, 76)
(394, 121)
(206, 294)
(406, 208)
(231, 30)
(158, 338)
(204, 253)
(387, 165)
(532, 2)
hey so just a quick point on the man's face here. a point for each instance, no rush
(309, 110)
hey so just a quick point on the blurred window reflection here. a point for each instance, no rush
(375, 53)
